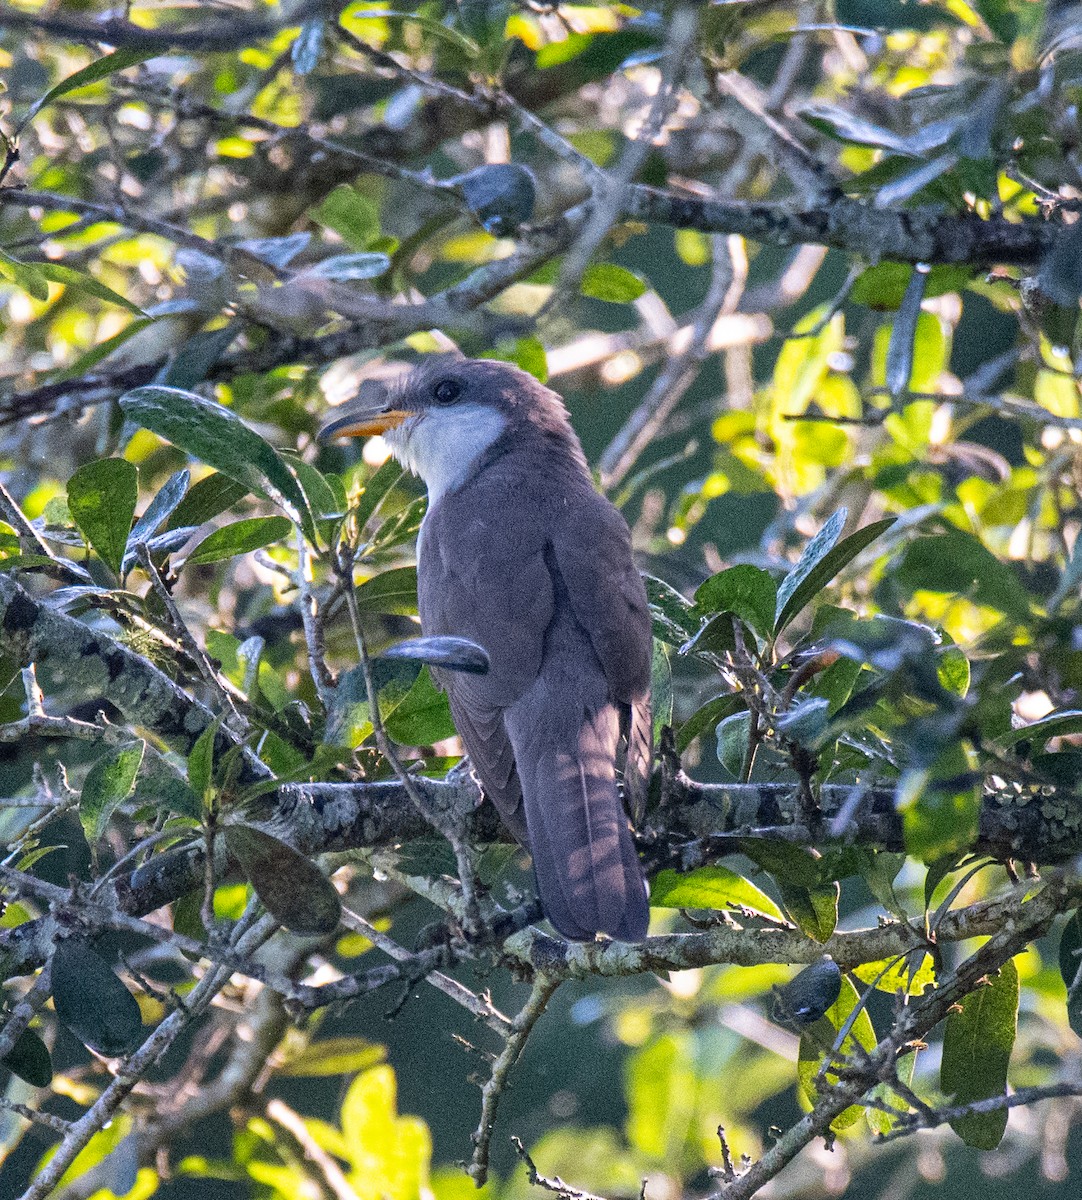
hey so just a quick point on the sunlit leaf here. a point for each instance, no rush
(977, 1045)
(710, 887)
(606, 281)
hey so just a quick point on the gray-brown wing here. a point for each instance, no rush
(607, 594)
(485, 579)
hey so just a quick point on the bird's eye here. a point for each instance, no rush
(447, 391)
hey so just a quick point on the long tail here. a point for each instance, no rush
(588, 873)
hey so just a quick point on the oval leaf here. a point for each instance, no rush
(977, 1044)
(218, 437)
(747, 591)
(393, 591)
(108, 783)
(818, 1039)
(293, 889)
(102, 497)
(820, 562)
(903, 333)
(29, 1059)
(711, 887)
(90, 1000)
(239, 538)
(607, 281)
(344, 268)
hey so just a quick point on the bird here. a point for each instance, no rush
(520, 554)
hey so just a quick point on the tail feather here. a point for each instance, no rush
(588, 873)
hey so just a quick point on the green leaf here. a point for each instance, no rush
(606, 281)
(335, 1056)
(1056, 724)
(85, 363)
(661, 688)
(882, 1122)
(527, 353)
(661, 1087)
(956, 562)
(817, 1040)
(69, 277)
(977, 1044)
(806, 722)
(422, 717)
(672, 617)
(899, 977)
(733, 735)
(102, 496)
(26, 276)
(325, 494)
(376, 489)
(821, 561)
(710, 887)
(707, 717)
(883, 286)
(903, 332)
(745, 590)
(201, 760)
(109, 782)
(715, 637)
(207, 499)
(90, 1000)
(808, 898)
(393, 591)
(29, 1058)
(940, 804)
(814, 909)
(292, 888)
(241, 537)
(382, 1145)
(101, 69)
(218, 437)
(352, 216)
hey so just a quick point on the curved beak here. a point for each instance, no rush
(370, 412)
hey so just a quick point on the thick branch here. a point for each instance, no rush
(912, 235)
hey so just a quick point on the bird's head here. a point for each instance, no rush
(440, 417)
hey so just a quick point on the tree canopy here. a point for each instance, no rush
(808, 276)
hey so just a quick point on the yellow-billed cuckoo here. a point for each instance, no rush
(520, 554)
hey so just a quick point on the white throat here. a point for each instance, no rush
(442, 445)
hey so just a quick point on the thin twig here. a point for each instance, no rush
(482, 1009)
(678, 374)
(521, 1028)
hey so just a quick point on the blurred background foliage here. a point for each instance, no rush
(262, 206)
